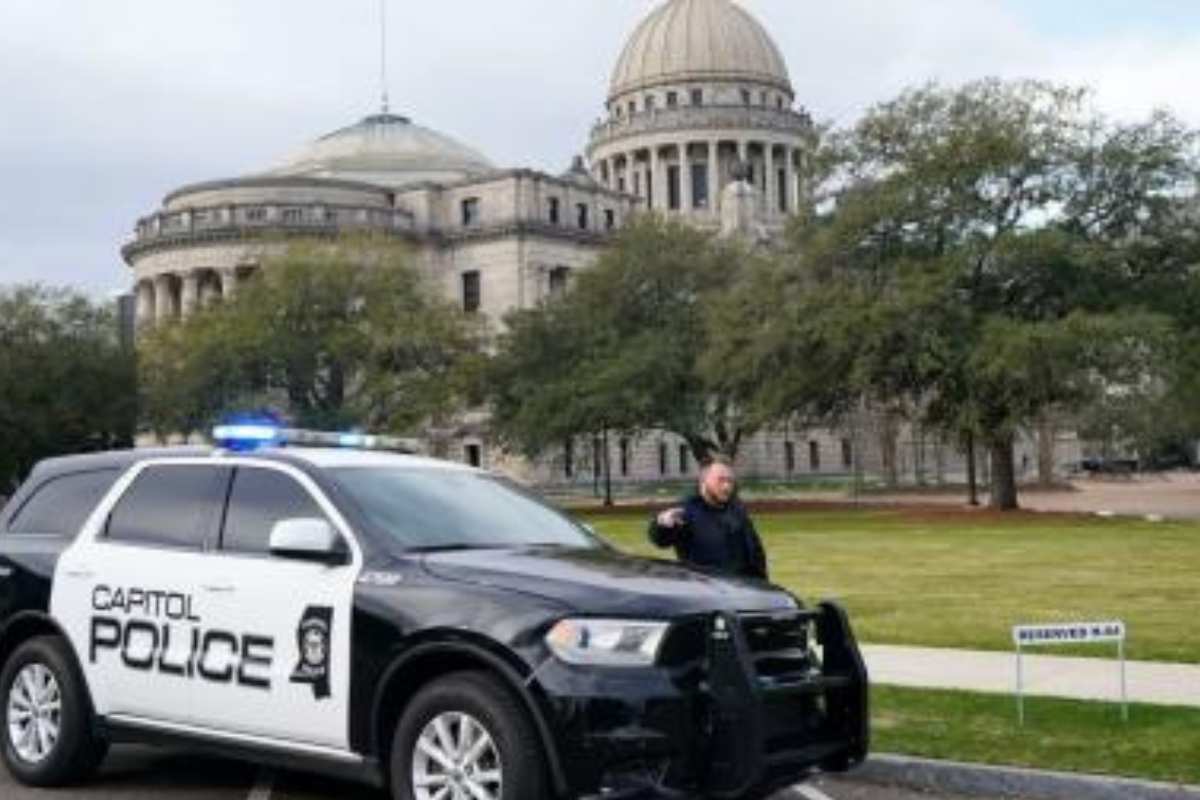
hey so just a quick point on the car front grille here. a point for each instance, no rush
(778, 644)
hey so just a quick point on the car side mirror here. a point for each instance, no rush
(308, 540)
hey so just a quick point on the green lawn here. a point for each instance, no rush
(1157, 743)
(962, 580)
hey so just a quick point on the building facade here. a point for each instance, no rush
(496, 238)
(700, 124)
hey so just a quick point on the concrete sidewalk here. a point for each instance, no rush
(1045, 676)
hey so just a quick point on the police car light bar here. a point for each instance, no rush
(246, 433)
(253, 437)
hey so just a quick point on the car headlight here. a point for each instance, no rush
(607, 642)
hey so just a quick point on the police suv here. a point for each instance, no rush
(410, 623)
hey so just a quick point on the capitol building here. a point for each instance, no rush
(700, 124)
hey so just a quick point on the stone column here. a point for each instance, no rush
(714, 177)
(654, 188)
(208, 292)
(743, 151)
(685, 179)
(145, 304)
(793, 180)
(228, 282)
(164, 300)
(770, 180)
(189, 295)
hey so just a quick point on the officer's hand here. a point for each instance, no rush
(671, 518)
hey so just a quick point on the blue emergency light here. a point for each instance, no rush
(246, 437)
(250, 435)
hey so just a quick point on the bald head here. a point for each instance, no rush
(717, 482)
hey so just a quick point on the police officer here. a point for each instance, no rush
(712, 529)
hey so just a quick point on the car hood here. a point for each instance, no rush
(607, 582)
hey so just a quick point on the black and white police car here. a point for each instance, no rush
(410, 623)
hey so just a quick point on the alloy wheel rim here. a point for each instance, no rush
(34, 713)
(456, 758)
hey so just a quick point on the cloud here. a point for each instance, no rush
(846, 56)
(109, 105)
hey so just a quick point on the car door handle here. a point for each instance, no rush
(219, 589)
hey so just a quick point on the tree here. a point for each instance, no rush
(66, 384)
(623, 350)
(977, 233)
(340, 334)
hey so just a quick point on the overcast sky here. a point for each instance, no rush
(106, 105)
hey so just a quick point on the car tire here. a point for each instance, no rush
(460, 707)
(60, 719)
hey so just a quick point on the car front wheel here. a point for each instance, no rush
(46, 716)
(466, 737)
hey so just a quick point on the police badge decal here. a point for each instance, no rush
(313, 638)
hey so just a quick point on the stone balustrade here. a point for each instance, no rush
(699, 118)
(232, 221)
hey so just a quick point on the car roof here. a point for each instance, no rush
(112, 459)
(121, 460)
(49, 469)
(343, 458)
(322, 458)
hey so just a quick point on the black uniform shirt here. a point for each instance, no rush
(718, 538)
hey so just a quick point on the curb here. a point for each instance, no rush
(979, 779)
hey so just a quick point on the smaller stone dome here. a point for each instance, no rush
(699, 40)
(387, 150)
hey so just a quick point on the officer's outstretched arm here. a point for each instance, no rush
(661, 536)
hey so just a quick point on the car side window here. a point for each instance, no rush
(61, 505)
(171, 505)
(258, 499)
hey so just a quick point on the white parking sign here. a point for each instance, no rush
(1068, 633)
(1071, 633)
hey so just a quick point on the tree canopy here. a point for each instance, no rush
(66, 383)
(623, 349)
(992, 253)
(339, 334)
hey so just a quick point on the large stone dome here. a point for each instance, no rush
(388, 150)
(699, 40)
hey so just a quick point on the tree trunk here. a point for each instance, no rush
(702, 449)
(1004, 475)
(972, 478)
(917, 434)
(1046, 437)
(596, 470)
(735, 444)
(887, 450)
(608, 497)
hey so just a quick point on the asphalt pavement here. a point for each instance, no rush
(142, 773)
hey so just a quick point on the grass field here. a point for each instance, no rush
(1157, 743)
(959, 579)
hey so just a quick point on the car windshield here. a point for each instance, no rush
(441, 509)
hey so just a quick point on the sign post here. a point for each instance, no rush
(1068, 633)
